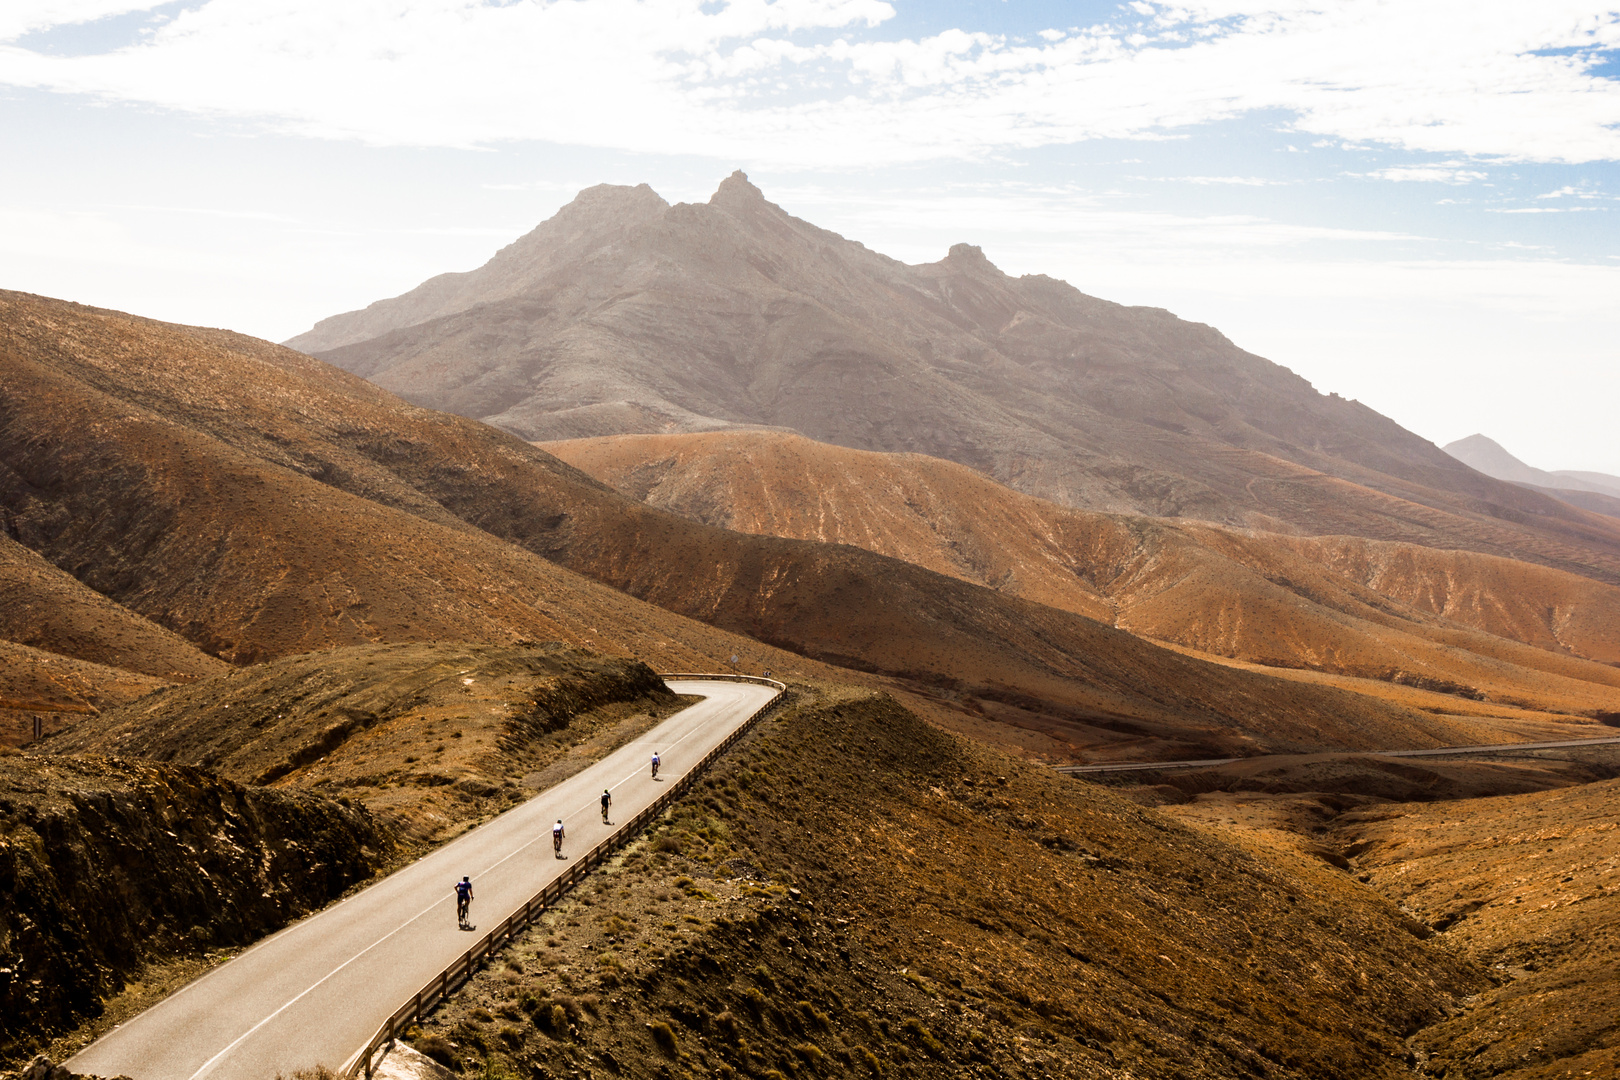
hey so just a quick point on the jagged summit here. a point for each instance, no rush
(612, 198)
(968, 254)
(736, 190)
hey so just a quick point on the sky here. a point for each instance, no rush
(1412, 203)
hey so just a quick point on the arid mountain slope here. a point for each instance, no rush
(623, 314)
(262, 503)
(1489, 627)
(239, 548)
(1525, 884)
(49, 609)
(66, 651)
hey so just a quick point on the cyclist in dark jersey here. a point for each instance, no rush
(463, 900)
(607, 801)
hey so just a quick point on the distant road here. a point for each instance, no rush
(318, 990)
(1442, 751)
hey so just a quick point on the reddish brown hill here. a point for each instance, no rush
(1490, 627)
(623, 314)
(262, 503)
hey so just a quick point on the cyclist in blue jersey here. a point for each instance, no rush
(463, 901)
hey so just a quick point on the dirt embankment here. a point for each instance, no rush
(853, 892)
(107, 866)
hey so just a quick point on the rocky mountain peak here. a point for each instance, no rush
(736, 190)
(615, 199)
(968, 256)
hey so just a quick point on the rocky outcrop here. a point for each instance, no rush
(43, 1068)
(106, 865)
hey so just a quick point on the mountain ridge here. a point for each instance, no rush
(623, 314)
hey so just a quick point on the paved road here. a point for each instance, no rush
(1439, 751)
(318, 990)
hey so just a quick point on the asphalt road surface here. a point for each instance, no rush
(317, 991)
(1438, 751)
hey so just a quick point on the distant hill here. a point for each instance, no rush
(624, 315)
(1460, 622)
(1490, 458)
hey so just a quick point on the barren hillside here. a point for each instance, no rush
(623, 314)
(428, 735)
(1477, 626)
(58, 691)
(49, 609)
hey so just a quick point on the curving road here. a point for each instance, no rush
(316, 991)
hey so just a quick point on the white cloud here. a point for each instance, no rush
(1240, 181)
(1449, 173)
(1568, 191)
(760, 82)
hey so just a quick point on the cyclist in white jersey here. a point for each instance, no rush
(557, 838)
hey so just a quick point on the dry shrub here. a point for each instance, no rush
(664, 1036)
(438, 1048)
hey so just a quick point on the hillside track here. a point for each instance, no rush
(316, 991)
(1436, 751)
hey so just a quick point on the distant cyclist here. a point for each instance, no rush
(557, 838)
(607, 801)
(463, 900)
(655, 763)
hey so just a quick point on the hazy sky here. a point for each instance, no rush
(1410, 202)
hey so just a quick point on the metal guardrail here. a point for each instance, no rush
(460, 970)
